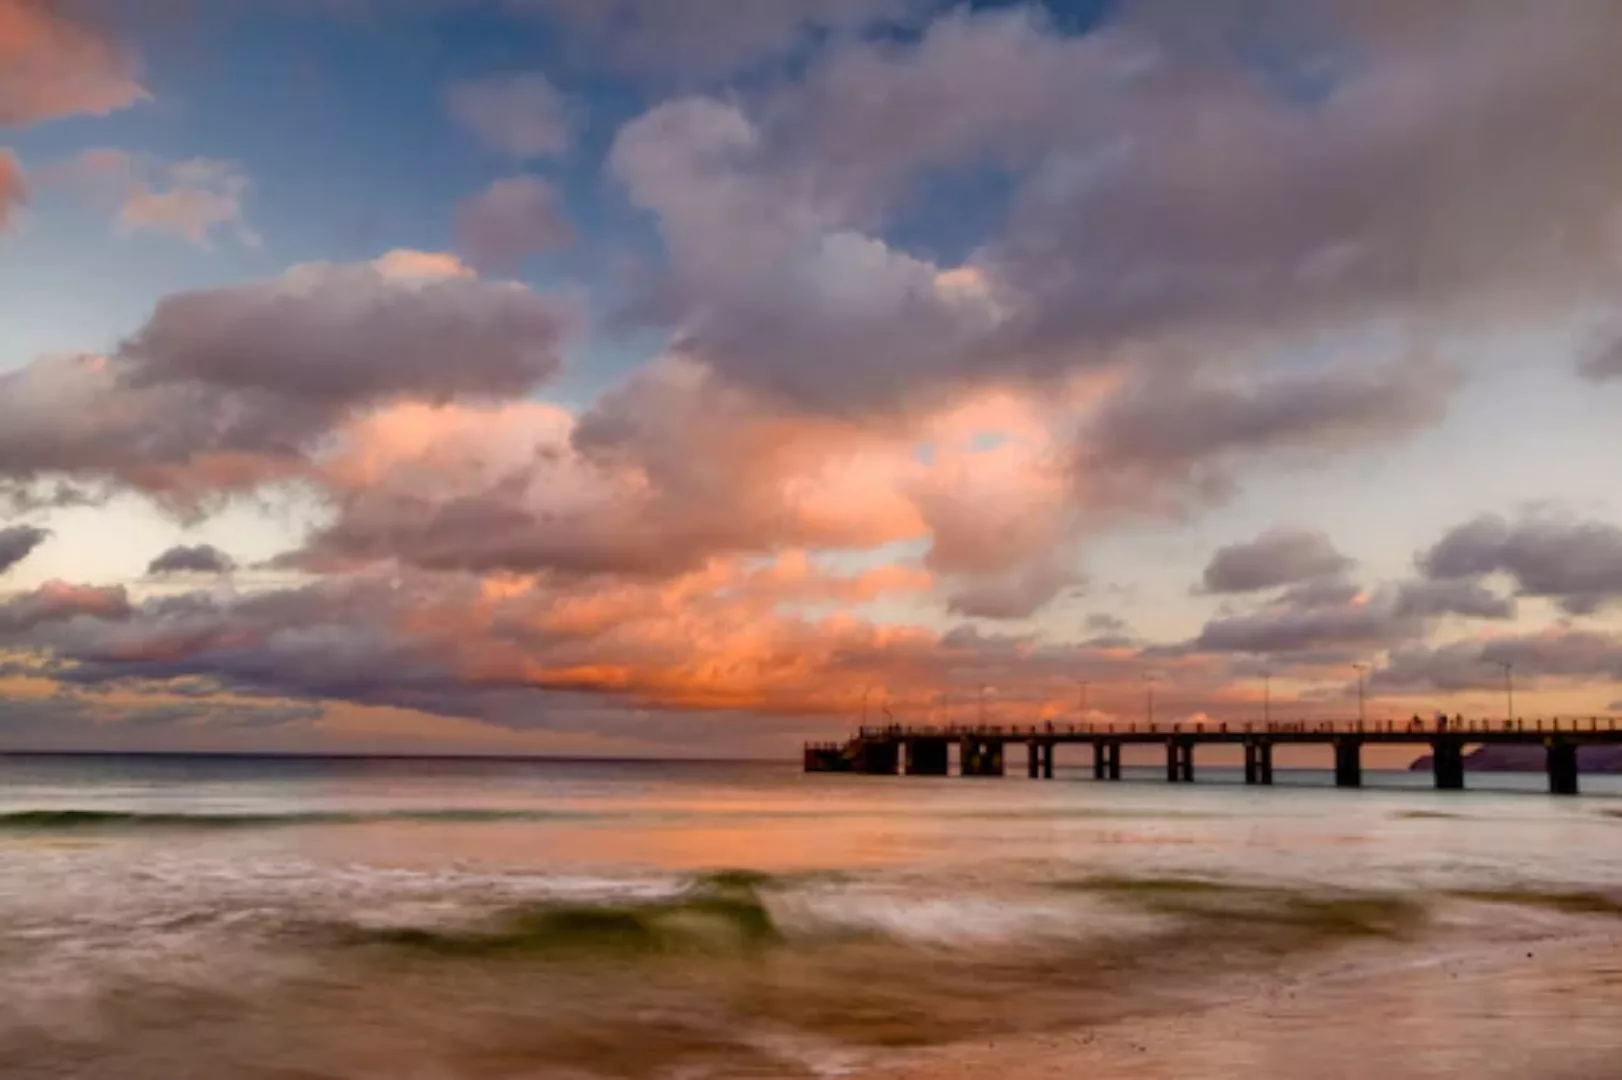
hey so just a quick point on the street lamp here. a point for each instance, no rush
(1149, 697)
(1509, 687)
(866, 690)
(1362, 670)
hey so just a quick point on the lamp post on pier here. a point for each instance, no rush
(1509, 687)
(1362, 670)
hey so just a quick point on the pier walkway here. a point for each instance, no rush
(982, 750)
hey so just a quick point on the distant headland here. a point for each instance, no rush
(1523, 758)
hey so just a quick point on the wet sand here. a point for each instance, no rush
(1544, 1008)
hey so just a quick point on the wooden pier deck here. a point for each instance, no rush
(982, 750)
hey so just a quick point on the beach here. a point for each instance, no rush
(462, 919)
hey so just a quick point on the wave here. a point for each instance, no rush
(1294, 916)
(718, 913)
(68, 820)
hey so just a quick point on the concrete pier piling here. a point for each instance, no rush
(1348, 762)
(1447, 762)
(1179, 761)
(1562, 766)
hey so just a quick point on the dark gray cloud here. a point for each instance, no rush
(706, 39)
(521, 114)
(17, 542)
(1604, 360)
(1286, 629)
(336, 336)
(226, 389)
(1279, 557)
(1335, 620)
(1141, 220)
(512, 219)
(1164, 436)
(195, 559)
(1560, 654)
(1576, 563)
(1017, 593)
(1470, 599)
(58, 602)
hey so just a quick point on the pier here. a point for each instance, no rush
(984, 750)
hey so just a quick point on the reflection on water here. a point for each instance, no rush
(235, 917)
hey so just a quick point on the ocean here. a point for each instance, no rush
(181, 917)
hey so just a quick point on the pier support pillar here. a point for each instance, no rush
(1562, 767)
(1179, 761)
(1348, 762)
(1447, 757)
(1047, 760)
(1108, 760)
(1252, 763)
(982, 758)
(926, 757)
(1033, 760)
(1264, 762)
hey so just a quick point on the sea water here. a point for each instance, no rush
(178, 917)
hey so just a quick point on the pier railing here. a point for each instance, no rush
(1415, 726)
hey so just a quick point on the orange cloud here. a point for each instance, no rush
(12, 191)
(53, 65)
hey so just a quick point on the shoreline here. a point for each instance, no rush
(1362, 1011)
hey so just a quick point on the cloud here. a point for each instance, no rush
(1357, 626)
(1018, 593)
(707, 38)
(227, 389)
(521, 115)
(576, 655)
(1279, 557)
(1561, 653)
(1260, 208)
(197, 559)
(333, 334)
(17, 542)
(59, 602)
(13, 192)
(513, 218)
(1162, 436)
(406, 264)
(1576, 563)
(196, 199)
(54, 64)
(1142, 229)
(1604, 360)
(1470, 599)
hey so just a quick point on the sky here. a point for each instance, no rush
(632, 377)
